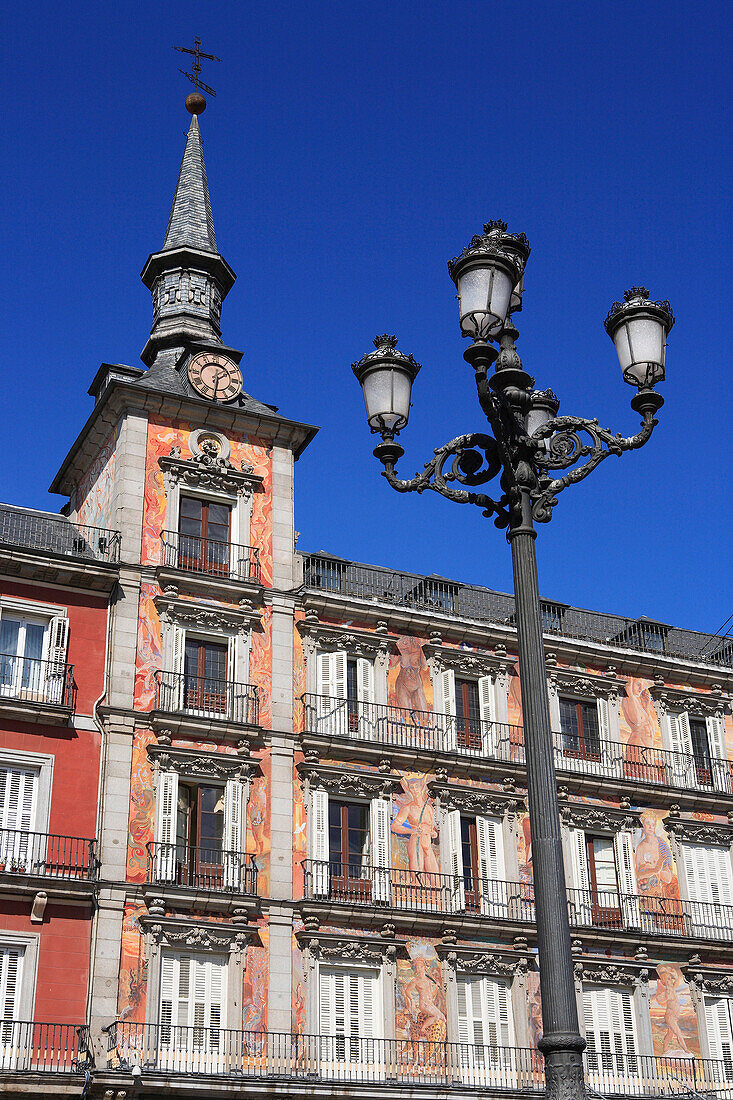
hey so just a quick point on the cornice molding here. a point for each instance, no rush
(330, 636)
(190, 613)
(199, 764)
(699, 832)
(198, 935)
(589, 684)
(702, 704)
(457, 796)
(626, 973)
(470, 662)
(341, 780)
(709, 979)
(209, 471)
(480, 963)
(581, 815)
(338, 947)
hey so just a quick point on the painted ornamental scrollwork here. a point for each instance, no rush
(610, 973)
(699, 832)
(605, 819)
(467, 662)
(712, 704)
(205, 936)
(483, 964)
(320, 637)
(719, 982)
(192, 615)
(584, 684)
(196, 764)
(210, 469)
(473, 800)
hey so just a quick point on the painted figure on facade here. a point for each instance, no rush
(673, 1016)
(415, 819)
(655, 871)
(421, 1018)
(409, 689)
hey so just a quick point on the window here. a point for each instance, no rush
(200, 833)
(350, 1021)
(579, 726)
(192, 992)
(350, 845)
(708, 878)
(33, 651)
(203, 536)
(345, 689)
(485, 1031)
(205, 676)
(467, 712)
(698, 751)
(605, 891)
(11, 976)
(719, 1028)
(610, 1034)
(18, 802)
(472, 854)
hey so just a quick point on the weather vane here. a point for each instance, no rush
(195, 103)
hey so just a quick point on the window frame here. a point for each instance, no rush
(30, 942)
(43, 763)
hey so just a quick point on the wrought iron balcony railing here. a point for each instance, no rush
(421, 730)
(206, 697)
(425, 731)
(199, 1051)
(25, 679)
(418, 891)
(474, 895)
(57, 535)
(384, 586)
(58, 857)
(210, 557)
(210, 869)
(27, 1047)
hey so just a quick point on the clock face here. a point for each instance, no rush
(214, 376)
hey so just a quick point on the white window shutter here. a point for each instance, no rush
(166, 811)
(379, 838)
(319, 841)
(331, 688)
(365, 680)
(234, 835)
(490, 844)
(610, 1030)
(168, 996)
(324, 673)
(174, 692)
(465, 1014)
(445, 707)
(604, 719)
(487, 714)
(11, 975)
(720, 1032)
(624, 852)
(451, 855)
(581, 877)
(58, 651)
(715, 726)
(340, 661)
(496, 1012)
(680, 742)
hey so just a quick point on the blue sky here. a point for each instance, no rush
(351, 150)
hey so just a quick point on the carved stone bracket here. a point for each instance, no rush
(587, 684)
(189, 613)
(480, 963)
(701, 704)
(198, 936)
(456, 796)
(468, 662)
(197, 764)
(209, 471)
(700, 832)
(337, 780)
(609, 819)
(358, 643)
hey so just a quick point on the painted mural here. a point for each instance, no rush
(92, 500)
(656, 871)
(414, 830)
(142, 807)
(149, 647)
(256, 974)
(409, 684)
(420, 1009)
(133, 967)
(534, 1008)
(674, 1023)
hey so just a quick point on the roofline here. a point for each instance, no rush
(294, 430)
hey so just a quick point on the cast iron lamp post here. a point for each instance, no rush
(529, 446)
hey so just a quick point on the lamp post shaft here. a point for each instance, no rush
(562, 1044)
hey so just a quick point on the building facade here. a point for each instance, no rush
(304, 860)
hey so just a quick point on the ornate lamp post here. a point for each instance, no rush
(529, 447)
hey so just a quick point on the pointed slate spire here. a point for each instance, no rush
(188, 278)
(190, 224)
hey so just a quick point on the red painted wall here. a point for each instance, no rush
(63, 958)
(87, 614)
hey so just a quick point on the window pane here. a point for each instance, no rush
(569, 723)
(9, 635)
(34, 633)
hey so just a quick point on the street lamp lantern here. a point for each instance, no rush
(536, 454)
(487, 275)
(639, 329)
(386, 376)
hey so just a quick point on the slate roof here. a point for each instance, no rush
(191, 224)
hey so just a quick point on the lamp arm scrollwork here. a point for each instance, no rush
(566, 446)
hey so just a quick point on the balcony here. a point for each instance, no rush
(362, 729)
(328, 580)
(212, 563)
(198, 704)
(452, 899)
(65, 868)
(43, 546)
(393, 1065)
(44, 1048)
(201, 869)
(34, 690)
